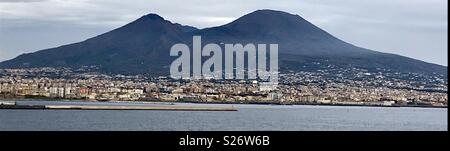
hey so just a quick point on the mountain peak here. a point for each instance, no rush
(273, 13)
(269, 11)
(270, 18)
(273, 23)
(153, 16)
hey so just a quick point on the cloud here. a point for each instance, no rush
(20, 1)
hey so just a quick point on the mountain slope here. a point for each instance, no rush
(143, 46)
(300, 41)
(294, 34)
(133, 48)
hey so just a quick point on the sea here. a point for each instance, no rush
(247, 118)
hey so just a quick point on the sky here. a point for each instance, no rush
(412, 28)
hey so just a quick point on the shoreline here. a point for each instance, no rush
(12, 105)
(224, 103)
(113, 107)
(316, 104)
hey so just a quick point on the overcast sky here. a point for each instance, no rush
(413, 28)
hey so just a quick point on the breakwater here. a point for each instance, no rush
(116, 107)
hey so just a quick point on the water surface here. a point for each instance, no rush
(247, 118)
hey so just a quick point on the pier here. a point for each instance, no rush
(116, 107)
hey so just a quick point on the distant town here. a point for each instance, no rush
(329, 86)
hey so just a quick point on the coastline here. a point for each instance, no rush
(14, 105)
(215, 102)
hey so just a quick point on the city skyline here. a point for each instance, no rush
(426, 22)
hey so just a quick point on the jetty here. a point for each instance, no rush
(116, 107)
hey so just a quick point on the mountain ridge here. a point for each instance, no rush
(143, 45)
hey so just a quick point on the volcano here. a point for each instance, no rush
(143, 46)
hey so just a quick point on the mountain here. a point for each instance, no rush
(143, 46)
(132, 48)
(301, 42)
